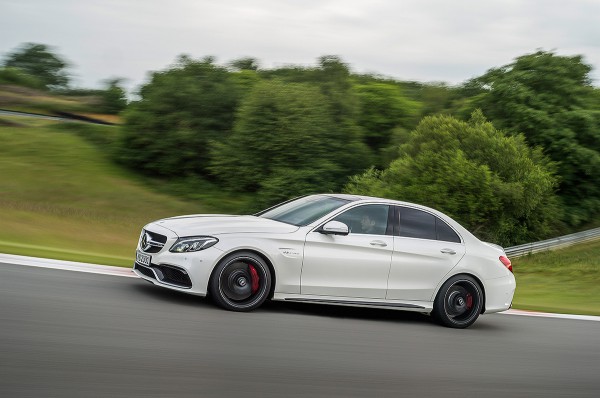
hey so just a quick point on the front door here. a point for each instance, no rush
(356, 265)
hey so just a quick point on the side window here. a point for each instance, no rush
(367, 219)
(444, 232)
(419, 224)
(416, 224)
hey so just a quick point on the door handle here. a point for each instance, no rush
(378, 243)
(448, 251)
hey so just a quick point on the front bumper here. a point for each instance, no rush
(165, 274)
(185, 272)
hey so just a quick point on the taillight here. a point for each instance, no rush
(506, 263)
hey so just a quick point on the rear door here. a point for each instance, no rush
(425, 249)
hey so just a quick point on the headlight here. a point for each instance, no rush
(193, 244)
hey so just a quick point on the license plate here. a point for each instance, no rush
(143, 258)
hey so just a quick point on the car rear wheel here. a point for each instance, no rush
(240, 282)
(458, 303)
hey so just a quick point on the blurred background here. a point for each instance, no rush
(487, 111)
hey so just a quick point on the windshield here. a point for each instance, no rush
(303, 211)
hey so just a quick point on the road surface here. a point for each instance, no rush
(73, 334)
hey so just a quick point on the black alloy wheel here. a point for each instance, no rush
(240, 282)
(458, 303)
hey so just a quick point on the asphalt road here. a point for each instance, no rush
(72, 334)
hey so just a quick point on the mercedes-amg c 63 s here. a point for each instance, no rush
(331, 249)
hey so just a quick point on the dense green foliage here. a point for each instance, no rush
(494, 184)
(335, 81)
(19, 78)
(114, 97)
(549, 99)
(246, 63)
(293, 130)
(383, 109)
(181, 111)
(39, 61)
(284, 143)
(275, 133)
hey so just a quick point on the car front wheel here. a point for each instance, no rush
(240, 282)
(458, 303)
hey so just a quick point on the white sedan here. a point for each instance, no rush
(331, 249)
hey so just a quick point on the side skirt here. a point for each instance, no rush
(420, 307)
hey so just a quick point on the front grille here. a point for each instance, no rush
(167, 274)
(151, 242)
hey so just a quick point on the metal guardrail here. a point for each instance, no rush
(554, 243)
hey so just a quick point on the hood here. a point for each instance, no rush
(217, 224)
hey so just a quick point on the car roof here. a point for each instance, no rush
(354, 198)
(351, 198)
(364, 198)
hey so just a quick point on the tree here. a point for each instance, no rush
(284, 143)
(39, 61)
(333, 78)
(114, 97)
(493, 184)
(180, 112)
(17, 77)
(549, 98)
(247, 63)
(383, 108)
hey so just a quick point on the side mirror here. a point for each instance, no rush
(334, 228)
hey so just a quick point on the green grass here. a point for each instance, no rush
(62, 197)
(563, 281)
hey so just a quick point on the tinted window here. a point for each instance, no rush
(368, 219)
(444, 232)
(417, 224)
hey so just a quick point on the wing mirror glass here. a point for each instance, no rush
(334, 228)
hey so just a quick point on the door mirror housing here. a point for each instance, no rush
(334, 228)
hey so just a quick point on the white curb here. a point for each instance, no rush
(66, 265)
(551, 315)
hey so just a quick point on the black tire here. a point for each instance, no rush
(240, 282)
(458, 303)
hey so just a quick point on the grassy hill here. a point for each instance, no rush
(565, 280)
(26, 99)
(61, 196)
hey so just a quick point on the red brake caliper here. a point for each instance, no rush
(469, 301)
(255, 279)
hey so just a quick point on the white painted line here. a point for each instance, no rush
(128, 272)
(551, 315)
(66, 265)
